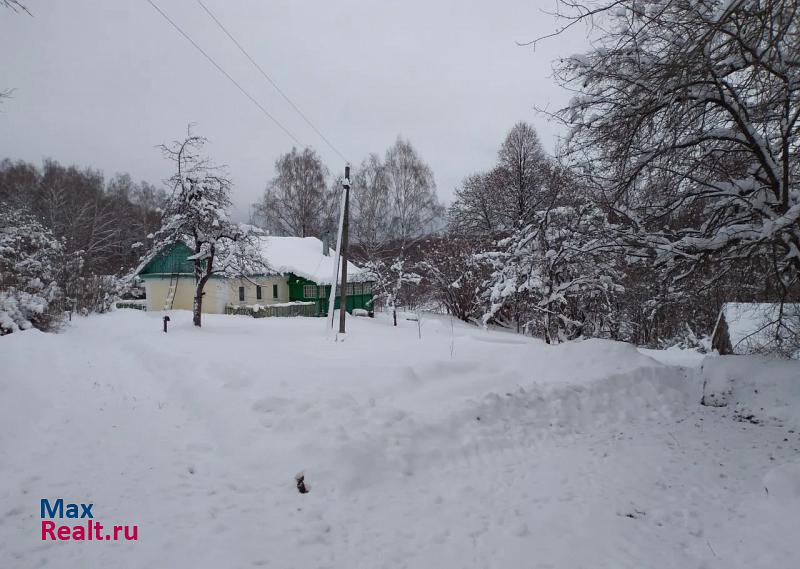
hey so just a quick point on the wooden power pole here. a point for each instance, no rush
(345, 242)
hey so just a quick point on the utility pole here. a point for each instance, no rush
(345, 242)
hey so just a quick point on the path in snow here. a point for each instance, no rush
(465, 449)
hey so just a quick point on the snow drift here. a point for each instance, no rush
(755, 388)
(466, 448)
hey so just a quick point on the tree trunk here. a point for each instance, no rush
(201, 275)
(197, 308)
(547, 327)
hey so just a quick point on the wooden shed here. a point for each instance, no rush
(756, 327)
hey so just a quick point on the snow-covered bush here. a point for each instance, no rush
(393, 279)
(454, 276)
(96, 293)
(688, 340)
(30, 258)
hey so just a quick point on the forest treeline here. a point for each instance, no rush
(67, 236)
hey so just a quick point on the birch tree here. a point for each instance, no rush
(413, 211)
(371, 211)
(295, 200)
(413, 203)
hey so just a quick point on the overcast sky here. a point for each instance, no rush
(101, 83)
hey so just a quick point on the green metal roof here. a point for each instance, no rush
(170, 261)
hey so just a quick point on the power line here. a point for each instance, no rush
(226, 74)
(272, 82)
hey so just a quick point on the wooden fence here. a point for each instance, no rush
(284, 310)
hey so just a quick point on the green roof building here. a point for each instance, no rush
(298, 282)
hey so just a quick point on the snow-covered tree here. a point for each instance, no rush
(687, 121)
(196, 213)
(30, 261)
(556, 275)
(390, 275)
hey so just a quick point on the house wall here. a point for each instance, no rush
(157, 287)
(230, 290)
(356, 297)
(218, 292)
(720, 339)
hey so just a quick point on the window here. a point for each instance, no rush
(324, 292)
(357, 288)
(258, 292)
(274, 291)
(241, 294)
(309, 291)
(350, 288)
(367, 288)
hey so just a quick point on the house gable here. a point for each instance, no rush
(170, 261)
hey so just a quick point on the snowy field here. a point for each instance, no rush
(466, 448)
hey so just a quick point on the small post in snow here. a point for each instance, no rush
(166, 319)
(345, 230)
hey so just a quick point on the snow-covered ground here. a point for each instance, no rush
(465, 448)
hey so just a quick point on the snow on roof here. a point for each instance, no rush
(303, 256)
(752, 326)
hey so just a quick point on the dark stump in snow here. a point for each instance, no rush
(301, 484)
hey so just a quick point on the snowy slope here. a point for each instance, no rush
(766, 389)
(466, 448)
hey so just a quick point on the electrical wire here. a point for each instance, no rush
(226, 74)
(272, 81)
